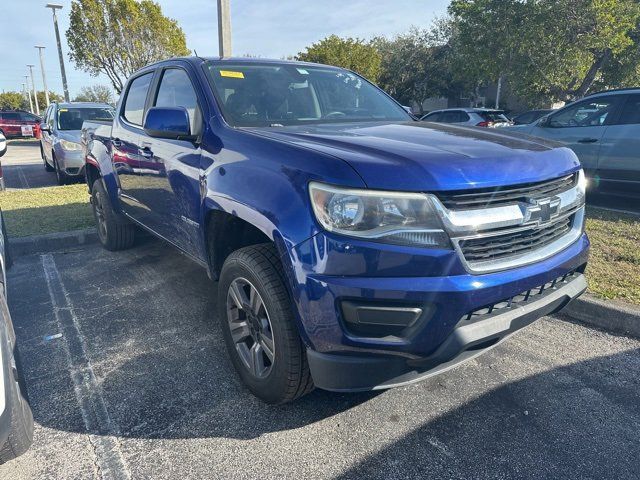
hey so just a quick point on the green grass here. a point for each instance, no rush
(46, 210)
(614, 265)
(613, 272)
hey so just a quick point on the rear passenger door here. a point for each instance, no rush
(169, 171)
(125, 141)
(619, 159)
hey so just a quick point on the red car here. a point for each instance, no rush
(17, 123)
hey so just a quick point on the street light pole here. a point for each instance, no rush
(35, 92)
(224, 28)
(26, 77)
(44, 77)
(54, 7)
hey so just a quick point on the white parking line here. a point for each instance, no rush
(101, 430)
(23, 178)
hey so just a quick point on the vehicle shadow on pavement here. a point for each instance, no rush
(147, 318)
(576, 421)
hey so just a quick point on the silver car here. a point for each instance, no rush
(603, 129)
(60, 146)
(474, 117)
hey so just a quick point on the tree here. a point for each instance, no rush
(419, 64)
(556, 49)
(352, 53)
(118, 37)
(13, 101)
(53, 97)
(95, 93)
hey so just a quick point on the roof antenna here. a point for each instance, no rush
(196, 54)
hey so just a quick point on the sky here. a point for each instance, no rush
(267, 28)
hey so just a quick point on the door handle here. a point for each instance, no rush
(588, 140)
(116, 142)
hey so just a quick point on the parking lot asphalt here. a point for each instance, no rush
(128, 378)
(23, 168)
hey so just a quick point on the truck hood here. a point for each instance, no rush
(423, 156)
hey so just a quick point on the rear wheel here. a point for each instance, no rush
(115, 232)
(258, 326)
(61, 177)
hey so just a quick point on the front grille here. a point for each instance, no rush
(522, 298)
(515, 243)
(495, 197)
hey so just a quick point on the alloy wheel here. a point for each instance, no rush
(250, 327)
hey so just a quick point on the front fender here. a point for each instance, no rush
(98, 153)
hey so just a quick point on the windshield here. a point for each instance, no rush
(272, 95)
(72, 118)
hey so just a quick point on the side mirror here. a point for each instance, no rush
(44, 127)
(168, 122)
(544, 122)
(3, 147)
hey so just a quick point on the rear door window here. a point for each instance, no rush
(631, 111)
(433, 117)
(136, 98)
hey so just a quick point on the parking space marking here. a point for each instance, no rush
(102, 432)
(23, 178)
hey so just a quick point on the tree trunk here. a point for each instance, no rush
(590, 77)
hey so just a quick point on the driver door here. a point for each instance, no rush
(581, 126)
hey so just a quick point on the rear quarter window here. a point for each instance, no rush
(133, 110)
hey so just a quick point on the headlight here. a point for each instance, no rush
(67, 145)
(391, 217)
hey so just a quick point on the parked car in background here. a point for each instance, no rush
(3, 150)
(478, 117)
(603, 129)
(16, 419)
(354, 247)
(529, 117)
(60, 146)
(19, 124)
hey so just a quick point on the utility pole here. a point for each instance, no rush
(26, 77)
(44, 77)
(224, 28)
(54, 7)
(35, 92)
(498, 92)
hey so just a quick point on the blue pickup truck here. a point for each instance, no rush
(354, 247)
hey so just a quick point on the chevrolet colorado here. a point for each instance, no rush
(354, 248)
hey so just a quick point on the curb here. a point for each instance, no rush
(605, 314)
(51, 242)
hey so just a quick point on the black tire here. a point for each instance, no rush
(288, 377)
(21, 427)
(115, 232)
(61, 177)
(47, 167)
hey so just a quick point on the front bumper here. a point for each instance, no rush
(70, 161)
(468, 339)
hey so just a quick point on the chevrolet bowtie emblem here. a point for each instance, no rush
(542, 211)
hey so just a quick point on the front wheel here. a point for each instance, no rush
(61, 177)
(114, 231)
(258, 326)
(47, 167)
